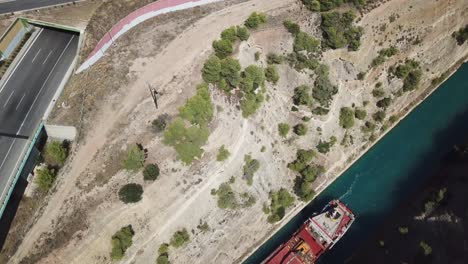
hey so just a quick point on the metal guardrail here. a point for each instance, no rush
(19, 170)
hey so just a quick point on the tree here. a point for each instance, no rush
(250, 167)
(162, 259)
(252, 78)
(135, 159)
(45, 179)
(229, 34)
(226, 197)
(223, 154)
(131, 193)
(411, 81)
(384, 103)
(292, 28)
(310, 173)
(280, 201)
(378, 93)
(273, 58)
(346, 117)
(303, 158)
(324, 146)
(212, 69)
(271, 74)
(230, 71)
(255, 19)
(379, 116)
(283, 129)
(56, 152)
(461, 35)
(242, 33)
(121, 241)
(163, 248)
(300, 129)
(179, 238)
(250, 103)
(198, 109)
(151, 172)
(301, 95)
(223, 48)
(323, 90)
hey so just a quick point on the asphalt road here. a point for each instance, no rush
(27, 93)
(8, 6)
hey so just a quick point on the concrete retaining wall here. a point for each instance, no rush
(61, 132)
(12, 37)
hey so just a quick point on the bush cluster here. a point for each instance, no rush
(159, 124)
(302, 96)
(273, 58)
(121, 241)
(131, 193)
(252, 78)
(280, 201)
(283, 129)
(325, 146)
(338, 30)
(250, 167)
(383, 55)
(255, 19)
(271, 74)
(346, 117)
(56, 153)
(325, 5)
(323, 90)
(360, 113)
(410, 72)
(198, 110)
(308, 173)
(179, 238)
(300, 129)
(151, 172)
(461, 35)
(45, 179)
(223, 154)
(135, 159)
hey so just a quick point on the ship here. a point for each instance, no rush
(315, 237)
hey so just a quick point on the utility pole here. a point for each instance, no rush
(154, 94)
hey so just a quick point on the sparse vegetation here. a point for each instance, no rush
(383, 55)
(180, 238)
(305, 42)
(280, 201)
(379, 116)
(131, 193)
(151, 172)
(135, 159)
(326, 5)
(45, 179)
(250, 167)
(121, 241)
(283, 129)
(223, 154)
(346, 117)
(159, 124)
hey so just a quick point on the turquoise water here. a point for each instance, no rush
(390, 170)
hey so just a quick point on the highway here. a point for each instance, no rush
(8, 6)
(26, 94)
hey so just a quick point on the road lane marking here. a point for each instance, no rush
(42, 87)
(19, 62)
(8, 152)
(9, 97)
(46, 58)
(20, 102)
(36, 55)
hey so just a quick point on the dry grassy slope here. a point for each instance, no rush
(181, 197)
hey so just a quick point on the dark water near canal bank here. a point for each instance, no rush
(392, 169)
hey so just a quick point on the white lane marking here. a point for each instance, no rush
(36, 55)
(19, 62)
(20, 102)
(8, 100)
(8, 152)
(46, 58)
(42, 87)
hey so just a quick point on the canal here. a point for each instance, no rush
(391, 169)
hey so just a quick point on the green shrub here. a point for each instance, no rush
(324, 146)
(384, 103)
(242, 33)
(45, 179)
(198, 109)
(313, 5)
(273, 58)
(300, 129)
(378, 92)
(302, 96)
(283, 129)
(338, 30)
(303, 158)
(292, 27)
(379, 116)
(159, 124)
(255, 19)
(360, 113)
(56, 152)
(323, 90)
(411, 82)
(320, 111)
(427, 250)
(252, 78)
(303, 189)
(271, 74)
(223, 48)
(311, 172)
(361, 76)
(300, 61)
(403, 230)
(229, 34)
(121, 241)
(131, 193)
(151, 172)
(257, 55)
(179, 238)
(304, 41)
(162, 259)
(135, 159)
(226, 197)
(187, 141)
(212, 69)
(280, 201)
(368, 127)
(223, 154)
(163, 248)
(250, 167)
(250, 103)
(346, 117)
(461, 35)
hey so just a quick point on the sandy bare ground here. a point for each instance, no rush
(181, 197)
